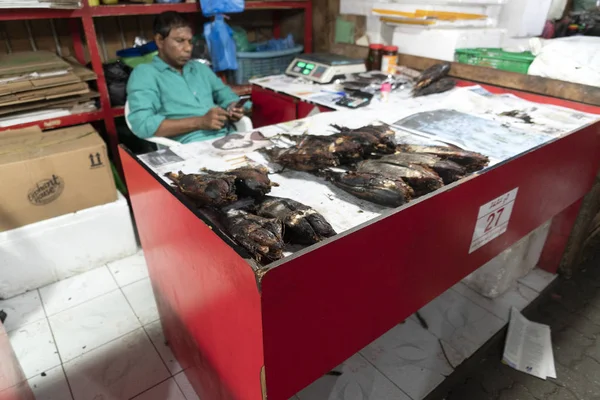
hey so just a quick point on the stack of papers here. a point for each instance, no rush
(40, 4)
(528, 347)
(34, 81)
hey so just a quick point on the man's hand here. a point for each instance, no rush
(214, 120)
(235, 113)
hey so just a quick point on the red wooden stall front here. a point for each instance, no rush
(243, 334)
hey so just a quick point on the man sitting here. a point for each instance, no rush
(177, 98)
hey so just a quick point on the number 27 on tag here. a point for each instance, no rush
(493, 219)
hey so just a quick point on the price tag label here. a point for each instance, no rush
(492, 220)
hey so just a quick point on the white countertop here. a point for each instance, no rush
(498, 137)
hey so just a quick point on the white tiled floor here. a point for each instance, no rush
(97, 336)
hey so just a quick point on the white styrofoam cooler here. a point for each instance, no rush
(524, 18)
(502, 272)
(38, 254)
(378, 32)
(356, 7)
(442, 43)
(364, 7)
(491, 9)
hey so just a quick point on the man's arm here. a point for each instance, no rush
(214, 120)
(144, 106)
(223, 96)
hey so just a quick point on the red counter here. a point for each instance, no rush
(245, 333)
(270, 108)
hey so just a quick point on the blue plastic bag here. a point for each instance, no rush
(214, 7)
(219, 38)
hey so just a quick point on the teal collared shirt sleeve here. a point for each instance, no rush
(156, 92)
(144, 101)
(222, 94)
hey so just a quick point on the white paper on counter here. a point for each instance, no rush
(528, 347)
(341, 209)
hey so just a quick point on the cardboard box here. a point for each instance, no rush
(46, 174)
(44, 94)
(63, 102)
(20, 63)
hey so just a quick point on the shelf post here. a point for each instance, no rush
(109, 122)
(276, 24)
(308, 26)
(75, 29)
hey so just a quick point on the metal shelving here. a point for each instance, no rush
(87, 15)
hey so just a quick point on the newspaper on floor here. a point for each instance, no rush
(528, 347)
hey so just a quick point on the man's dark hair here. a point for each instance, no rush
(163, 23)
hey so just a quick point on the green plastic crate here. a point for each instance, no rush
(496, 58)
(135, 61)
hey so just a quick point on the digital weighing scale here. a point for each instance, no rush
(324, 68)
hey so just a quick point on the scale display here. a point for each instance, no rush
(324, 68)
(307, 68)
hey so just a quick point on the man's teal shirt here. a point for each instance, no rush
(156, 92)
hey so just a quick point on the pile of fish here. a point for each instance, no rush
(313, 153)
(373, 187)
(261, 224)
(377, 169)
(434, 80)
(374, 168)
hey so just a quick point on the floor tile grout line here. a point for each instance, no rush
(152, 387)
(51, 334)
(130, 283)
(554, 276)
(112, 275)
(62, 364)
(156, 348)
(81, 355)
(112, 340)
(481, 307)
(475, 304)
(71, 307)
(102, 345)
(449, 342)
(91, 349)
(80, 304)
(432, 333)
(179, 386)
(134, 282)
(133, 309)
(383, 374)
(47, 315)
(515, 289)
(31, 322)
(42, 302)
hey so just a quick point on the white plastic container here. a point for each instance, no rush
(442, 43)
(378, 32)
(356, 7)
(38, 254)
(502, 272)
(524, 18)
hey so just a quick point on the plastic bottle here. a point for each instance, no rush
(374, 58)
(389, 59)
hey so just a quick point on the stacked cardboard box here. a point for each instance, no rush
(33, 81)
(40, 3)
(52, 173)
